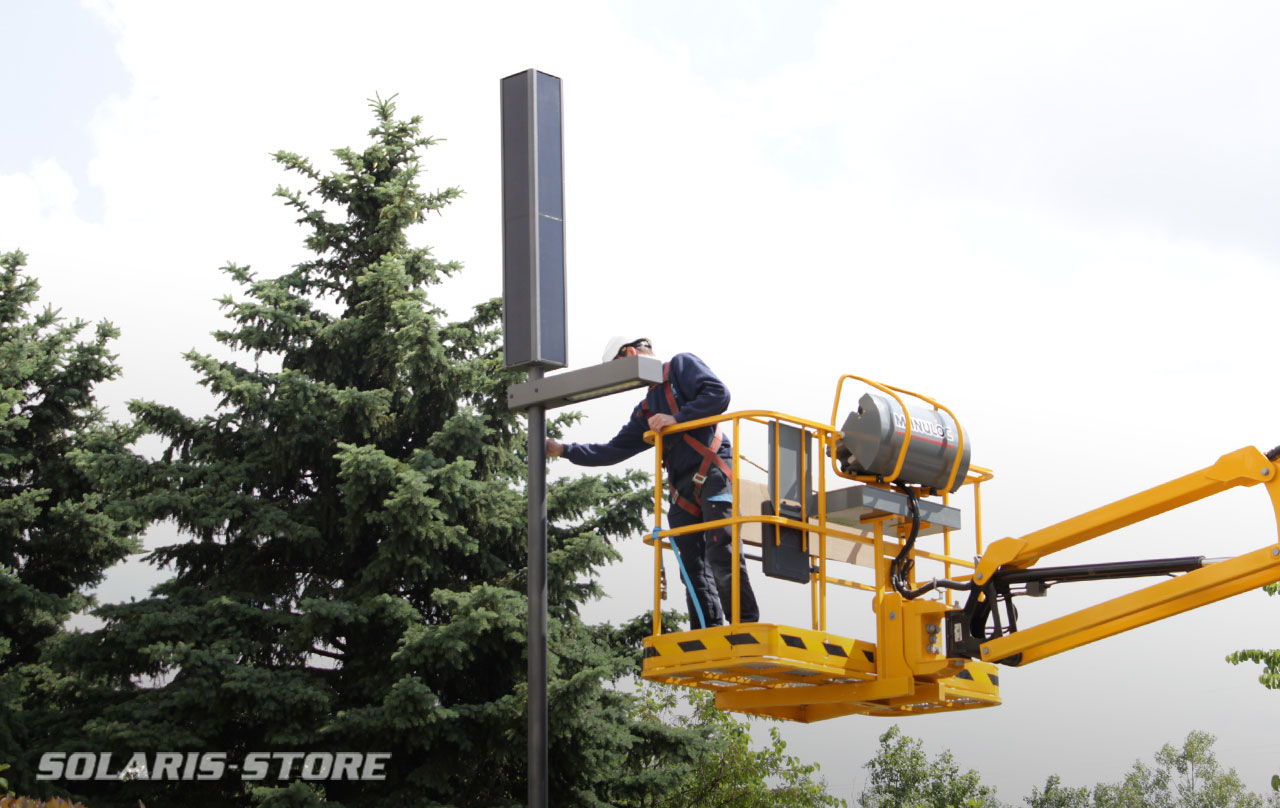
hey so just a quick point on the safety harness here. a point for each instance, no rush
(708, 453)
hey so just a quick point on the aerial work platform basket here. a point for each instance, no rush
(876, 516)
(842, 537)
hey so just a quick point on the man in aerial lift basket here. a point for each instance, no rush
(697, 470)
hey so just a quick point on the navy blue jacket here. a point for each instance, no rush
(699, 394)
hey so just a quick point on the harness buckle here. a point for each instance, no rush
(699, 479)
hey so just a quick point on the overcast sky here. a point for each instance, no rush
(1060, 222)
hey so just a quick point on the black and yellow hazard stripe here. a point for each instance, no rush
(763, 658)
(757, 652)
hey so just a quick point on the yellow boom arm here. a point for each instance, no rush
(1244, 467)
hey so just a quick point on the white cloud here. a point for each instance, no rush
(45, 193)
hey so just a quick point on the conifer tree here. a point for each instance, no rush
(353, 573)
(64, 518)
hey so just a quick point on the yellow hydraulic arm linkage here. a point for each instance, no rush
(978, 631)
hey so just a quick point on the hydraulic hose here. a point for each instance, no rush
(900, 569)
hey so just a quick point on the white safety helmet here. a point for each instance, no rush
(615, 344)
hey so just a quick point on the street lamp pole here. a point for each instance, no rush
(533, 296)
(533, 325)
(539, 765)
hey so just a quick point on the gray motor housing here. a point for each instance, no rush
(873, 436)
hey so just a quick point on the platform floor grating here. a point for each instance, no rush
(802, 674)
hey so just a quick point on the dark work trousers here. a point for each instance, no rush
(708, 556)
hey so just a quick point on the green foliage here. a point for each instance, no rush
(11, 801)
(65, 512)
(297, 794)
(1186, 777)
(1056, 796)
(724, 771)
(902, 776)
(353, 574)
(1268, 659)
(1270, 662)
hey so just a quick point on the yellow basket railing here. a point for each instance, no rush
(810, 525)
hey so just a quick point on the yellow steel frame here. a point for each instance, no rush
(1241, 468)
(804, 675)
(812, 674)
(808, 674)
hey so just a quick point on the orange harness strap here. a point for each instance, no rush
(708, 453)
